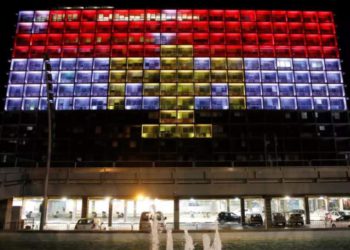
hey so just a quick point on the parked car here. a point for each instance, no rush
(90, 224)
(224, 217)
(341, 222)
(255, 220)
(296, 220)
(146, 219)
(333, 215)
(278, 219)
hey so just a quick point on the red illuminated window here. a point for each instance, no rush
(251, 51)
(331, 52)
(201, 15)
(103, 38)
(120, 38)
(169, 26)
(295, 16)
(297, 40)
(152, 50)
(37, 51)
(313, 40)
(234, 51)
(184, 26)
(299, 51)
(315, 52)
(21, 52)
(23, 39)
(70, 39)
(233, 39)
(103, 27)
(282, 51)
(218, 50)
(72, 27)
(69, 51)
(310, 17)
(250, 39)
(201, 26)
(267, 51)
(217, 26)
(73, 15)
(249, 27)
(87, 39)
(56, 27)
(325, 17)
(57, 16)
(279, 16)
(135, 50)
(329, 40)
(54, 51)
(102, 51)
(88, 15)
(152, 26)
(248, 16)
(184, 38)
(201, 51)
(217, 38)
(88, 27)
(86, 51)
(200, 38)
(216, 15)
(263, 16)
(281, 39)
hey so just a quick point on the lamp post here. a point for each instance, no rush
(50, 109)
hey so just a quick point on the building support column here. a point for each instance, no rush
(268, 216)
(110, 212)
(84, 209)
(307, 210)
(242, 212)
(176, 214)
(8, 215)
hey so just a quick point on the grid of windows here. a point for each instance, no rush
(177, 61)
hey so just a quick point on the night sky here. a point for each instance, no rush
(9, 18)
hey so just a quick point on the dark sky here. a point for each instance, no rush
(8, 17)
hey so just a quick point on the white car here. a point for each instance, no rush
(90, 224)
(341, 222)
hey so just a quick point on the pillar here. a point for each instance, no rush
(125, 209)
(8, 215)
(110, 212)
(176, 214)
(228, 208)
(242, 211)
(307, 210)
(84, 209)
(268, 216)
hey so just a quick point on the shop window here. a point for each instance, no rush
(202, 103)
(81, 103)
(286, 90)
(270, 90)
(288, 103)
(271, 103)
(254, 103)
(253, 90)
(82, 90)
(303, 90)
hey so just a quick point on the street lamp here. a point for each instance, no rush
(50, 109)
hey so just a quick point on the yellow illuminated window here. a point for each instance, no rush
(203, 131)
(118, 63)
(117, 89)
(218, 76)
(116, 103)
(234, 63)
(168, 103)
(167, 131)
(185, 102)
(185, 75)
(168, 63)
(135, 63)
(117, 76)
(185, 131)
(201, 76)
(151, 76)
(168, 89)
(185, 63)
(185, 50)
(134, 76)
(237, 103)
(168, 50)
(151, 89)
(168, 76)
(168, 116)
(236, 76)
(218, 63)
(236, 89)
(185, 89)
(150, 131)
(185, 116)
(202, 89)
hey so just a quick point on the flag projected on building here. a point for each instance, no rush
(177, 62)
